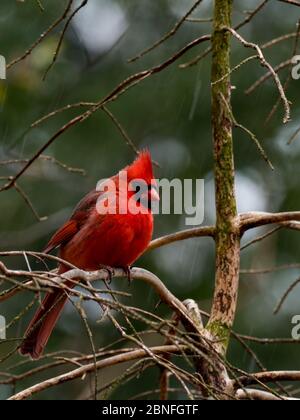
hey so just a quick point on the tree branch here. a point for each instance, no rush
(256, 219)
(113, 95)
(89, 368)
(169, 34)
(267, 377)
(257, 394)
(291, 2)
(265, 63)
(207, 231)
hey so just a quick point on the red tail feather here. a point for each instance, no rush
(43, 323)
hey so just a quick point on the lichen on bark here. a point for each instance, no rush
(227, 232)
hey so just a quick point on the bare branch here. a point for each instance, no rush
(60, 110)
(261, 237)
(294, 136)
(207, 231)
(268, 270)
(29, 203)
(199, 20)
(168, 34)
(251, 15)
(289, 77)
(51, 159)
(43, 35)
(78, 275)
(257, 394)
(127, 139)
(266, 377)
(265, 63)
(61, 38)
(285, 295)
(250, 134)
(14, 179)
(248, 19)
(39, 3)
(256, 219)
(269, 341)
(89, 368)
(291, 2)
(268, 76)
(120, 89)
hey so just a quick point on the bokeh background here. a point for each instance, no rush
(170, 114)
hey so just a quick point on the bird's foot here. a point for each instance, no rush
(110, 272)
(128, 274)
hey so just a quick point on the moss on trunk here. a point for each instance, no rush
(227, 234)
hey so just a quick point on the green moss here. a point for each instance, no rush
(222, 332)
(221, 118)
(224, 304)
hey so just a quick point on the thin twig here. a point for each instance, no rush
(244, 22)
(84, 370)
(29, 203)
(289, 77)
(39, 3)
(61, 38)
(42, 36)
(126, 137)
(60, 110)
(268, 76)
(251, 15)
(268, 270)
(269, 341)
(291, 2)
(266, 64)
(168, 34)
(294, 136)
(261, 237)
(250, 134)
(285, 296)
(199, 20)
(119, 90)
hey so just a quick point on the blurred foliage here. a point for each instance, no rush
(170, 113)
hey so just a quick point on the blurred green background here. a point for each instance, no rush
(169, 113)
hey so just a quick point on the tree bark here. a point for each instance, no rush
(227, 235)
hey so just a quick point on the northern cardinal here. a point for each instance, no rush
(92, 239)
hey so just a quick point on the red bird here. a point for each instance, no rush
(93, 238)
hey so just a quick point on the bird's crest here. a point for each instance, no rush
(141, 168)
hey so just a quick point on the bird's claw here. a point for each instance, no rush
(110, 272)
(128, 274)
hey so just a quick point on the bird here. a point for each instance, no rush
(93, 238)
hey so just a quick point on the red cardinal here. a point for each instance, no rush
(93, 238)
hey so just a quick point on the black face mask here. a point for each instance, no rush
(144, 201)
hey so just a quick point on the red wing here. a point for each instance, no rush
(64, 234)
(78, 218)
(85, 205)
